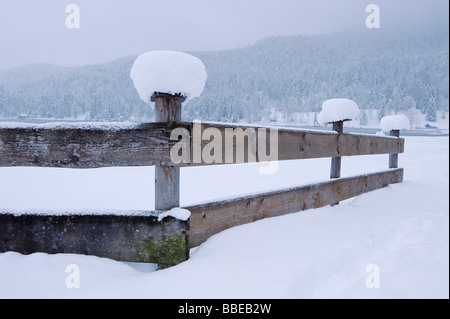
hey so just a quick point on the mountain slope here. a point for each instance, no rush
(288, 74)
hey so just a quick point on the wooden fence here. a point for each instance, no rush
(140, 236)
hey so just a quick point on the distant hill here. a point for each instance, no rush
(279, 74)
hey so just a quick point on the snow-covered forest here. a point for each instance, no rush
(389, 73)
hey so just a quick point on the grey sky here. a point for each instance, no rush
(34, 31)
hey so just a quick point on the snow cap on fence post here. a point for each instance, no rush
(168, 72)
(395, 122)
(336, 110)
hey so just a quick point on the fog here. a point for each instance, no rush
(35, 31)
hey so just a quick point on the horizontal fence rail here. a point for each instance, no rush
(151, 144)
(133, 238)
(299, 144)
(211, 218)
(129, 238)
(143, 145)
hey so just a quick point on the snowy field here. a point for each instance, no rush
(324, 253)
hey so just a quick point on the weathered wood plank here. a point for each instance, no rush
(393, 158)
(150, 144)
(291, 144)
(335, 171)
(209, 219)
(140, 238)
(167, 178)
(167, 187)
(143, 145)
(167, 107)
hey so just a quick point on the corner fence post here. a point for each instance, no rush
(393, 158)
(167, 182)
(167, 178)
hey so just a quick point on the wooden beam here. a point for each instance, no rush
(167, 178)
(167, 107)
(133, 238)
(393, 158)
(293, 143)
(335, 171)
(212, 218)
(142, 145)
(150, 144)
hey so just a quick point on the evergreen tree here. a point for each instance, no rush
(363, 118)
(431, 115)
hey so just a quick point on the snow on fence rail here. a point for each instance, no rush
(142, 237)
(150, 144)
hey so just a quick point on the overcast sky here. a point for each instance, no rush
(34, 31)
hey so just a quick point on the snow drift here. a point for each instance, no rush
(321, 253)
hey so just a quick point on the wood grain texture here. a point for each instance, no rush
(150, 144)
(335, 170)
(167, 178)
(143, 145)
(393, 158)
(297, 144)
(209, 219)
(167, 107)
(126, 238)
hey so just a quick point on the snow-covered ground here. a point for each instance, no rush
(332, 252)
(416, 118)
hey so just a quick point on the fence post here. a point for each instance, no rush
(393, 158)
(167, 178)
(335, 171)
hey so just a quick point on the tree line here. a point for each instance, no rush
(392, 73)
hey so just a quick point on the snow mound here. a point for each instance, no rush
(334, 110)
(168, 72)
(395, 122)
(177, 212)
